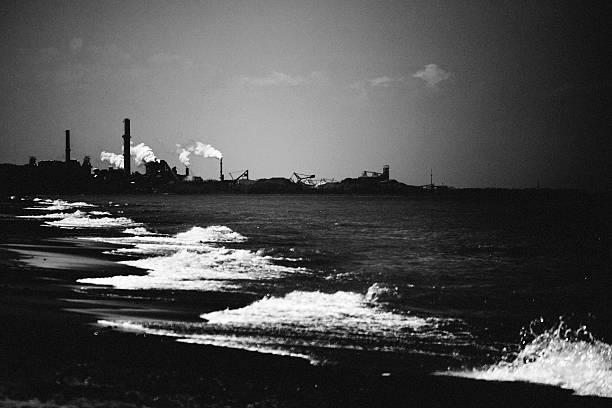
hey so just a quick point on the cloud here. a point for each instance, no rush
(383, 81)
(279, 79)
(76, 44)
(273, 79)
(432, 74)
(364, 86)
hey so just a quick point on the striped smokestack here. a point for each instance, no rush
(67, 146)
(126, 147)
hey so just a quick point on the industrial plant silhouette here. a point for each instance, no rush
(70, 176)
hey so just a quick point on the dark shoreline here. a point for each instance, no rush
(52, 355)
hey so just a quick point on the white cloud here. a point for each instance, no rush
(76, 44)
(383, 81)
(274, 79)
(432, 74)
(364, 86)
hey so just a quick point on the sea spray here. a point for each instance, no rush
(560, 356)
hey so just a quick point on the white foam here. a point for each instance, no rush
(218, 340)
(582, 366)
(213, 233)
(56, 216)
(59, 205)
(160, 282)
(138, 231)
(191, 239)
(321, 312)
(88, 222)
(300, 324)
(204, 267)
(99, 213)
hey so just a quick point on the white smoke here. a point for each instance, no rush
(116, 160)
(199, 149)
(141, 153)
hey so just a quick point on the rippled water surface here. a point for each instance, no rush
(441, 284)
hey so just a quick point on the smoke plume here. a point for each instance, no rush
(116, 160)
(141, 153)
(199, 149)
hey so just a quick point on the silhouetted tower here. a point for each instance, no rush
(431, 177)
(87, 164)
(126, 147)
(221, 169)
(67, 146)
(385, 172)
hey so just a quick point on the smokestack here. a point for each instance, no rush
(126, 147)
(221, 169)
(67, 146)
(186, 171)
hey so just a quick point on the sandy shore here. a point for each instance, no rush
(52, 353)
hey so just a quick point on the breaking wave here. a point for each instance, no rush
(322, 312)
(214, 233)
(191, 260)
(305, 324)
(86, 221)
(55, 216)
(99, 213)
(208, 268)
(562, 357)
(138, 231)
(58, 205)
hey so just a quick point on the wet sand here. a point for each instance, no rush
(53, 354)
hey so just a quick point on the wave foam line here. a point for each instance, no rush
(59, 205)
(190, 260)
(226, 341)
(88, 222)
(55, 216)
(193, 237)
(300, 324)
(208, 268)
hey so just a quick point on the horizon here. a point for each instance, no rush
(502, 95)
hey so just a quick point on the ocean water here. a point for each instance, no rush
(510, 288)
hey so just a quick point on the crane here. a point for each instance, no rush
(305, 179)
(244, 174)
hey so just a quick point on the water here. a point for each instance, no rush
(442, 285)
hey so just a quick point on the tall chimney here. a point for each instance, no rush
(186, 171)
(126, 147)
(221, 169)
(67, 146)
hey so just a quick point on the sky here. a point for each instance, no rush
(484, 93)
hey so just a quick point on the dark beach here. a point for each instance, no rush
(53, 354)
